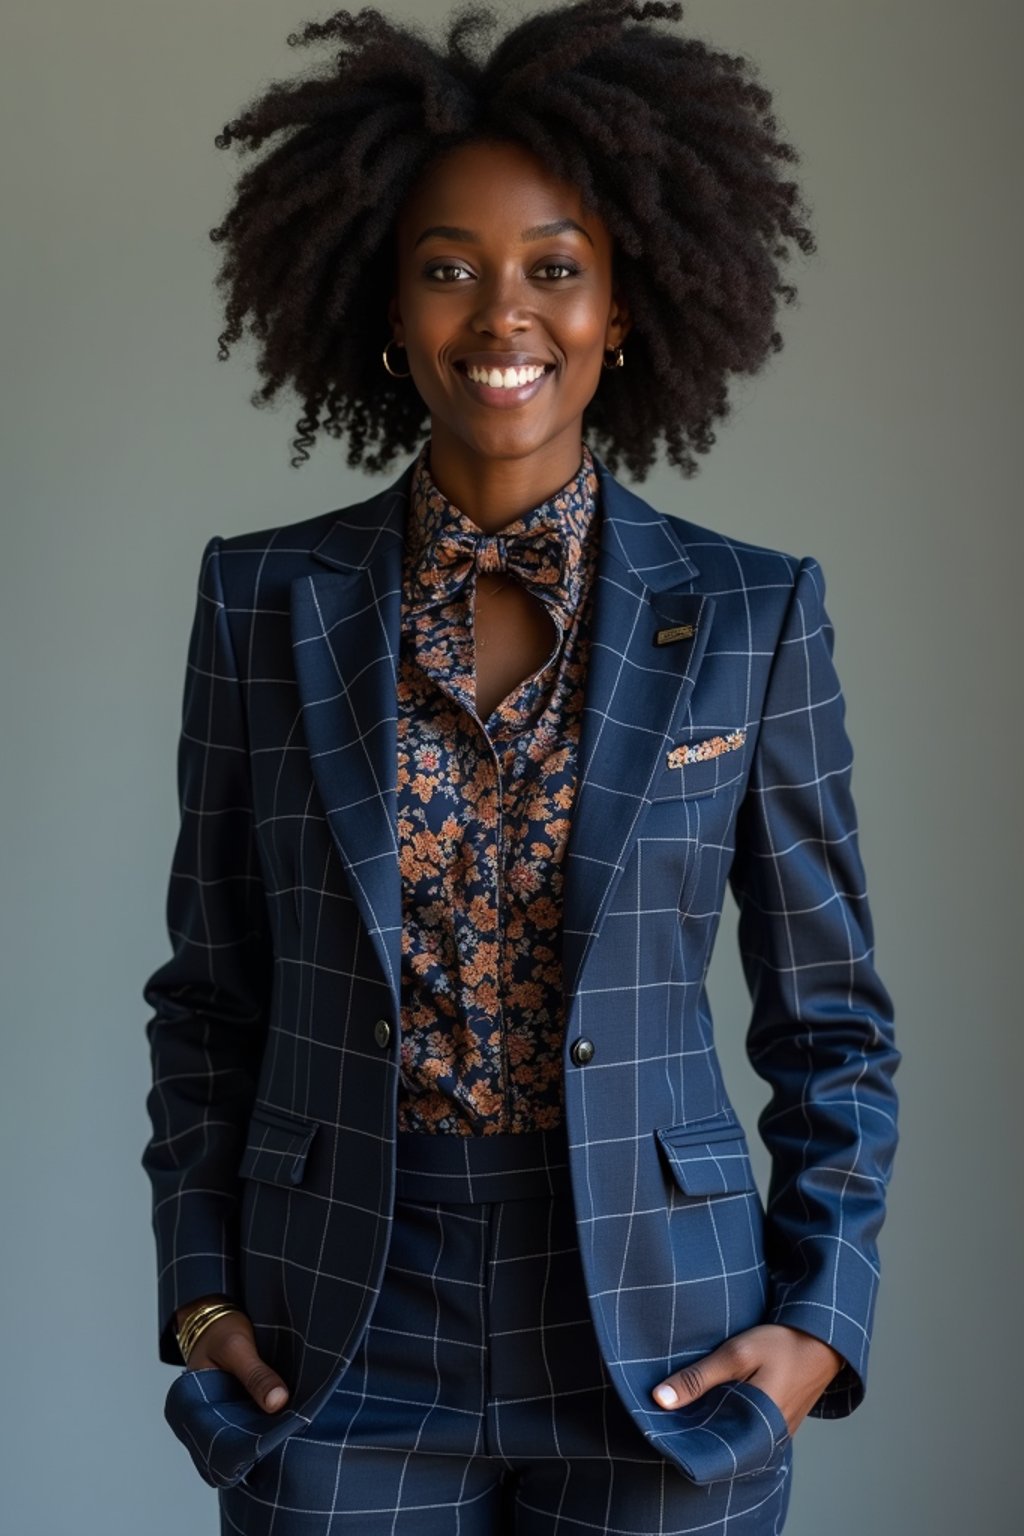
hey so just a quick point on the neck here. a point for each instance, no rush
(493, 492)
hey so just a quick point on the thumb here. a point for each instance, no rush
(264, 1385)
(687, 1384)
(233, 1348)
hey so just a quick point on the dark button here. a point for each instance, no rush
(382, 1031)
(581, 1050)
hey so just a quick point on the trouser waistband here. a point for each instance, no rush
(433, 1166)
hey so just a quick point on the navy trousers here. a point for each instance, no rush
(478, 1402)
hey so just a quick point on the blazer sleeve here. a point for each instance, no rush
(211, 998)
(821, 1029)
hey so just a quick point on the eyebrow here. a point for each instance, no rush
(536, 232)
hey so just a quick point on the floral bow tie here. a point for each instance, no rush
(534, 557)
(542, 549)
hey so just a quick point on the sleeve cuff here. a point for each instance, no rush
(190, 1278)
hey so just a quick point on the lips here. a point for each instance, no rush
(497, 394)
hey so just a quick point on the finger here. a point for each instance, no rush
(731, 1361)
(261, 1381)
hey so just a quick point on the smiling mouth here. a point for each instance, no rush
(498, 395)
(535, 370)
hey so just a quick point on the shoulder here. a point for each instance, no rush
(760, 592)
(725, 561)
(258, 566)
(758, 587)
(250, 569)
(719, 562)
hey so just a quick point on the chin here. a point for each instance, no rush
(507, 439)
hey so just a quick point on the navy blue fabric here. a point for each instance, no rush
(478, 1402)
(275, 1035)
(502, 1166)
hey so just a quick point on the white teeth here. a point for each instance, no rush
(507, 378)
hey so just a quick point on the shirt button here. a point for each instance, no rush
(581, 1050)
(382, 1031)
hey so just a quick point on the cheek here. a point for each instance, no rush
(430, 335)
(578, 326)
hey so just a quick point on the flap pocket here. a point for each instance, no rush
(708, 1158)
(277, 1146)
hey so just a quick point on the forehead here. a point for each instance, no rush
(486, 182)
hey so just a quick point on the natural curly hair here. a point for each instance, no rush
(672, 143)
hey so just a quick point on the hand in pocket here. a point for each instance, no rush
(229, 1344)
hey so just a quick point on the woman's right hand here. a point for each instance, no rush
(229, 1344)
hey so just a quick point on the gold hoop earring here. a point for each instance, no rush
(387, 365)
(620, 361)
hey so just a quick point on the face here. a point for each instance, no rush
(500, 263)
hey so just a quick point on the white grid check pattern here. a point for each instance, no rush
(274, 1031)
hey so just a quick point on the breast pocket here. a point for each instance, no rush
(701, 762)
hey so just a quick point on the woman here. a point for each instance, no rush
(456, 1226)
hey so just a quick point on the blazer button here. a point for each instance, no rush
(581, 1050)
(382, 1031)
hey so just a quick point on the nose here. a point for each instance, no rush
(502, 309)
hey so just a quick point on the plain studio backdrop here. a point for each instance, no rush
(883, 440)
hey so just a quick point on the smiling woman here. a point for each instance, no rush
(457, 1229)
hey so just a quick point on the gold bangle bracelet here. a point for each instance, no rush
(198, 1308)
(202, 1310)
(201, 1319)
(197, 1323)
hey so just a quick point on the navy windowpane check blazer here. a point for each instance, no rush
(717, 755)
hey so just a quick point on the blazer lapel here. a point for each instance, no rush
(635, 695)
(345, 625)
(345, 628)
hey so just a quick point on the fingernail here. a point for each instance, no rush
(667, 1396)
(275, 1397)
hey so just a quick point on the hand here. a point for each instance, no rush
(230, 1345)
(792, 1366)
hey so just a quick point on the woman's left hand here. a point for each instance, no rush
(793, 1367)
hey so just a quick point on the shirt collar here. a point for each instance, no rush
(572, 510)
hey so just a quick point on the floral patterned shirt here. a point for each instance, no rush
(484, 814)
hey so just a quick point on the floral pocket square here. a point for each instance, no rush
(711, 746)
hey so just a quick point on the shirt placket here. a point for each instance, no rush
(507, 758)
(504, 734)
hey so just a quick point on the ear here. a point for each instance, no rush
(620, 322)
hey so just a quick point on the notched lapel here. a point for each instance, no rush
(345, 628)
(635, 695)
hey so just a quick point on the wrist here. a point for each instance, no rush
(830, 1357)
(188, 1307)
(198, 1319)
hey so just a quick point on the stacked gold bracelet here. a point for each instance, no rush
(198, 1321)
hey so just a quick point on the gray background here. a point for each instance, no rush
(884, 440)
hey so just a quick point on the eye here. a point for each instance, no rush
(448, 266)
(550, 266)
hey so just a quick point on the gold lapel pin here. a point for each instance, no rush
(678, 632)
